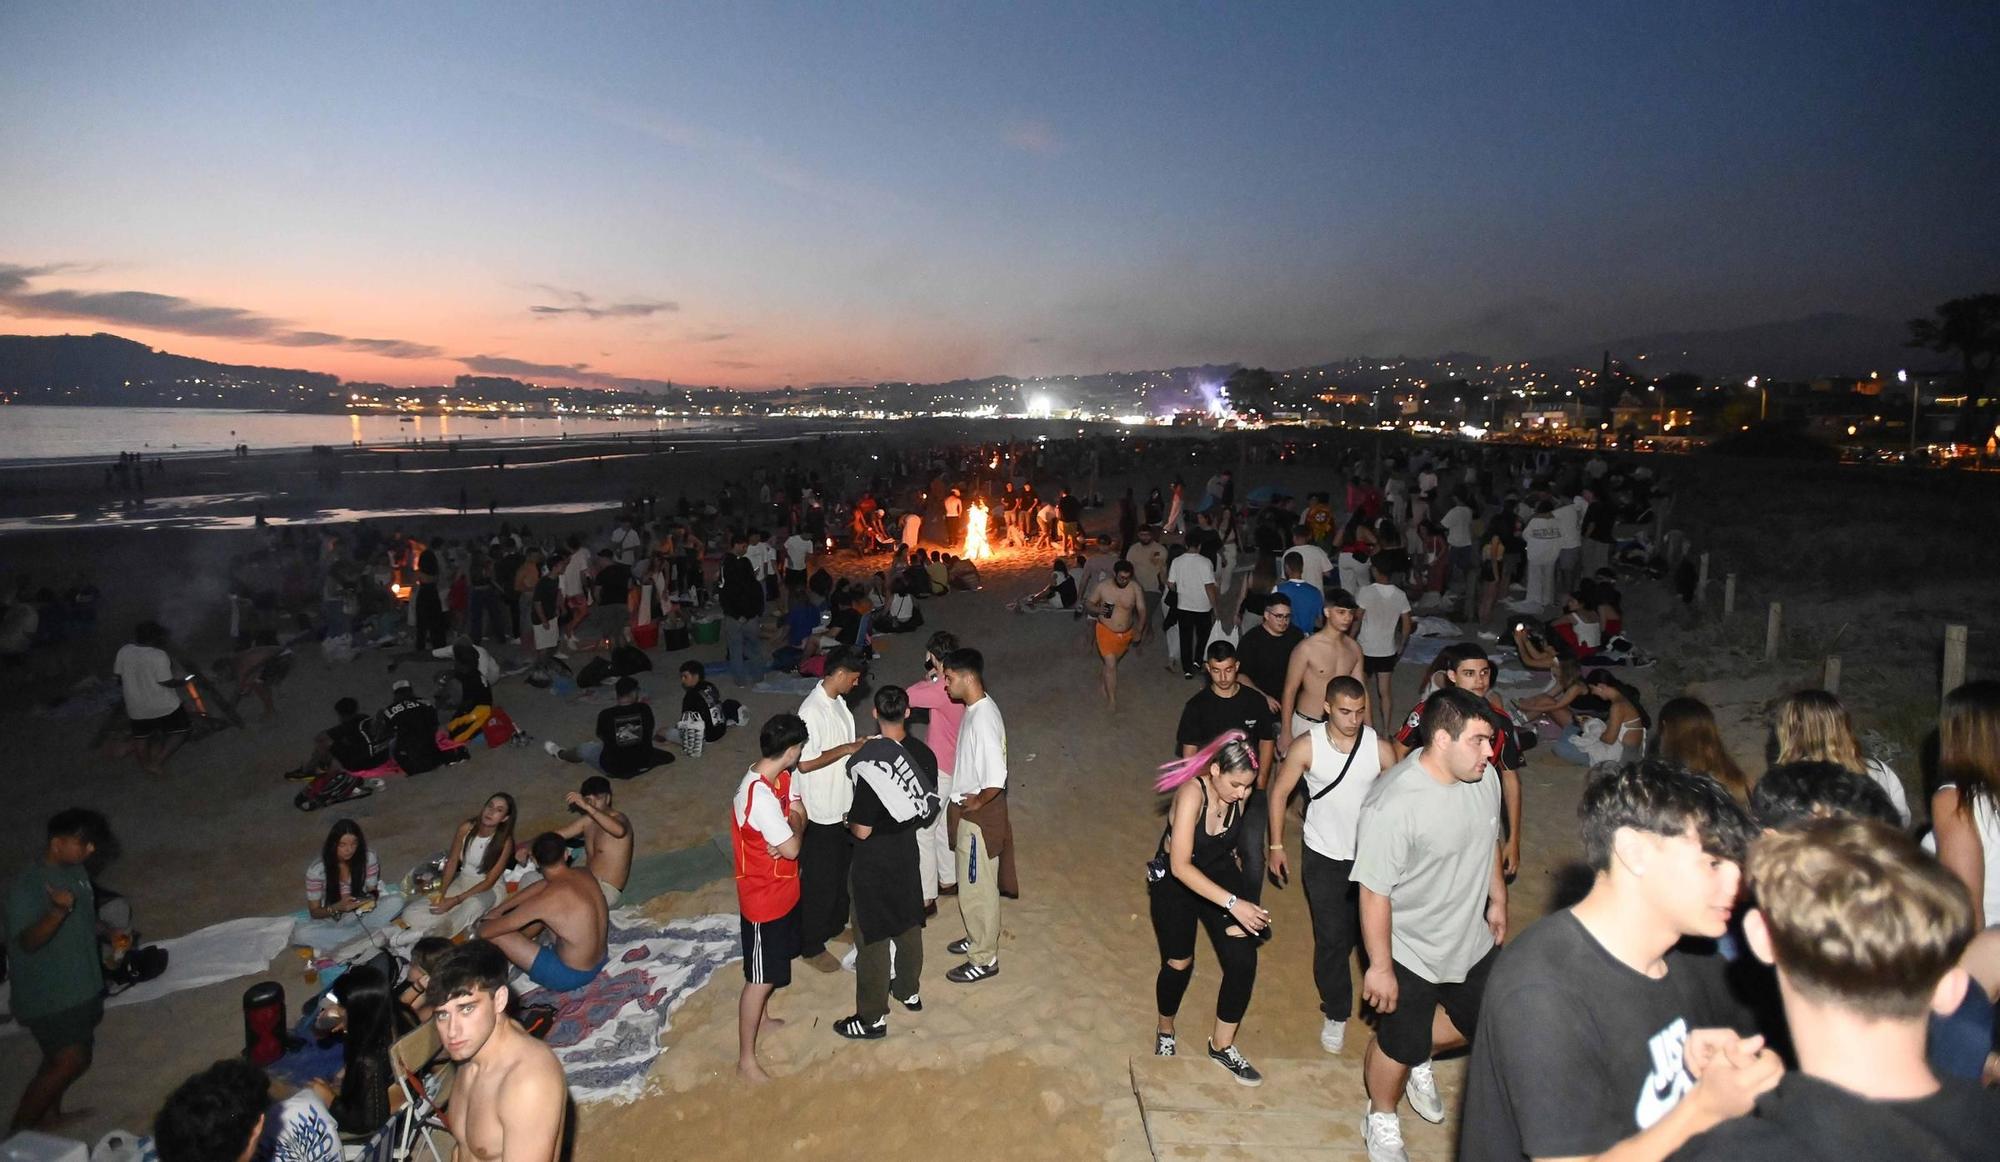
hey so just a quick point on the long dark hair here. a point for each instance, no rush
(357, 868)
(502, 842)
(362, 1106)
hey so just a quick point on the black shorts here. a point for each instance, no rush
(1405, 1035)
(1386, 664)
(769, 949)
(165, 724)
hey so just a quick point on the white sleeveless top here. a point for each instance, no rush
(1331, 819)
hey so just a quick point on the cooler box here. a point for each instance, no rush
(708, 630)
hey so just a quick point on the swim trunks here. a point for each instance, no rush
(611, 895)
(552, 974)
(1112, 643)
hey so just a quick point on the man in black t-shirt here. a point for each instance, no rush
(1225, 703)
(895, 797)
(699, 696)
(624, 746)
(414, 722)
(1596, 1028)
(1865, 930)
(1265, 650)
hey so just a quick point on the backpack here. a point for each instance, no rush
(630, 660)
(595, 673)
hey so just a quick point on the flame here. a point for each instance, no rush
(976, 548)
(401, 592)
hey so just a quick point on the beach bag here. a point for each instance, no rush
(630, 660)
(499, 728)
(676, 637)
(813, 667)
(139, 965)
(547, 635)
(646, 636)
(694, 733)
(338, 649)
(595, 673)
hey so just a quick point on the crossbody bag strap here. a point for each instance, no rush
(1359, 738)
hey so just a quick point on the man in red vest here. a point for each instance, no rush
(766, 822)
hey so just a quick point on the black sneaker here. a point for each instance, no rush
(969, 972)
(1163, 1044)
(915, 1004)
(1238, 1065)
(960, 946)
(856, 1029)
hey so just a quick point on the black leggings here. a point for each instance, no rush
(1193, 629)
(1176, 911)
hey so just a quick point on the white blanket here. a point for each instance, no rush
(219, 952)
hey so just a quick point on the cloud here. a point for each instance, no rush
(712, 337)
(736, 364)
(584, 306)
(502, 365)
(1033, 136)
(176, 315)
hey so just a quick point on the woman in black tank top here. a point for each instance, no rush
(1200, 887)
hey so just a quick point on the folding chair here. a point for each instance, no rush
(416, 1102)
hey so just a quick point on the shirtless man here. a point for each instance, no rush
(1328, 653)
(606, 835)
(1117, 609)
(570, 905)
(508, 1096)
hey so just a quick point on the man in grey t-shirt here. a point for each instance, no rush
(1433, 908)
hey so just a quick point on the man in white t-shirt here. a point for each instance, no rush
(1385, 626)
(1544, 537)
(625, 542)
(983, 834)
(1338, 760)
(1191, 584)
(1458, 541)
(827, 792)
(158, 721)
(764, 562)
(798, 558)
(1569, 519)
(1313, 561)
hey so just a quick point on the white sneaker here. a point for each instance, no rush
(1333, 1035)
(552, 748)
(1384, 1135)
(1421, 1091)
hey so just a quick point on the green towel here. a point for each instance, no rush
(678, 871)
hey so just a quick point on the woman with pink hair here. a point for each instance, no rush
(1196, 880)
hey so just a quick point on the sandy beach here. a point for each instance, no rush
(1031, 1064)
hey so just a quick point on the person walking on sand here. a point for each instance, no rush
(1194, 880)
(1385, 629)
(1224, 704)
(1117, 609)
(765, 819)
(508, 1097)
(982, 834)
(1324, 655)
(1433, 910)
(1338, 762)
(53, 961)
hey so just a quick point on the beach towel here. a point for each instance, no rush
(607, 1034)
(219, 952)
(1435, 627)
(682, 870)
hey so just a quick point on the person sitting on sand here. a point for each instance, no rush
(1618, 735)
(963, 574)
(1195, 882)
(1559, 700)
(414, 722)
(623, 747)
(569, 905)
(353, 744)
(225, 1114)
(480, 851)
(606, 836)
(344, 897)
(475, 694)
(1058, 594)
(508, 1098)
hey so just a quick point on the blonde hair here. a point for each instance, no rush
(1860, 917)
(1969, 744)
(1813, 727)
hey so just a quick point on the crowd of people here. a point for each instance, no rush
(1759, 964)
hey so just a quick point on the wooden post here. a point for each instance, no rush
(1830, 679)
(1772, 628)
(1954, 658)
(1728, 594)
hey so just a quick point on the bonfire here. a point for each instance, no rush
(976, 548)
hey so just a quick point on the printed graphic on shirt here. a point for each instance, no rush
(1669, 1082)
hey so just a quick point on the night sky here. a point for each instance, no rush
(759, 195)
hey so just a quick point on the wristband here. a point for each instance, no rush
(1277, 847)
(1229, 905)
